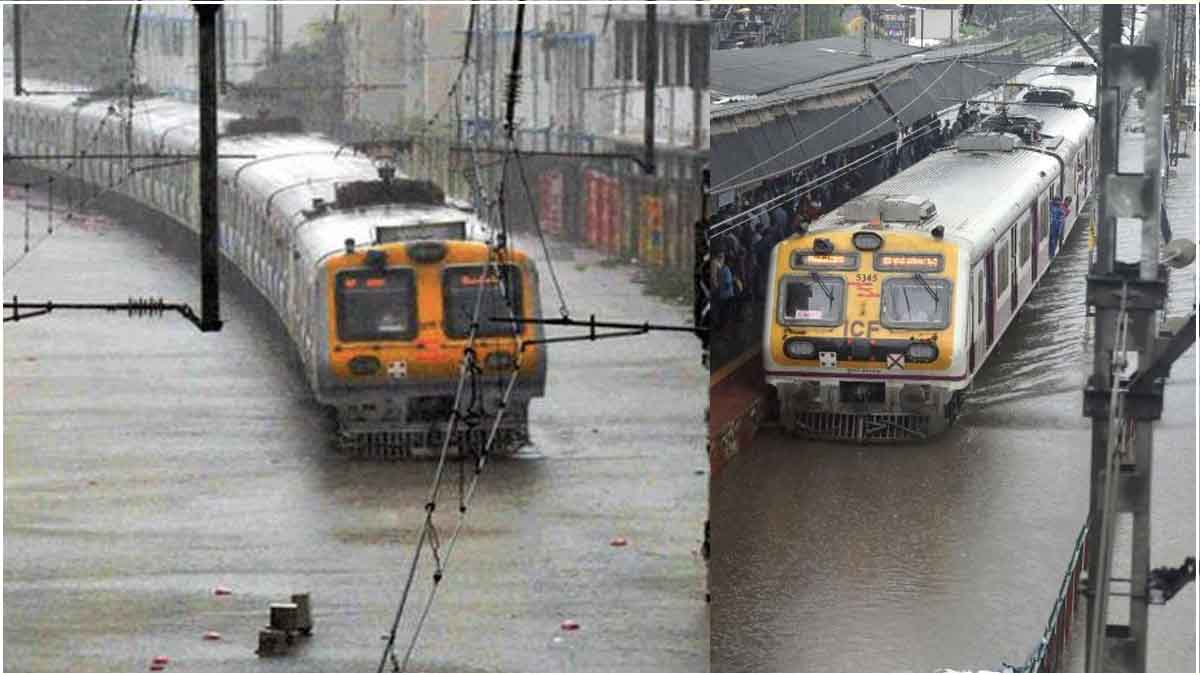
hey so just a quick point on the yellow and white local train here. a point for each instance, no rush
(879, 317)
(374, 276)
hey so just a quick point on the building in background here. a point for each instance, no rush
(933, 26)
(582, 92)
(581, 100)
(253, 35)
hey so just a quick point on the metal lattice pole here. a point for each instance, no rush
(1127, 299)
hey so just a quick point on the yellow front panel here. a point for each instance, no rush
(863, 294)
(431, 353)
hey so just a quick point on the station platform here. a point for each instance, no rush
(740, 400)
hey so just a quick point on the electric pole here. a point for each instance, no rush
(651, 79)
(210, 316)
(1124, 395)
(16, 14)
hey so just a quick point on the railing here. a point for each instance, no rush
(1049, 655)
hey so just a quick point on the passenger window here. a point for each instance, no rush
(979, 297)
(1002, 269)
(1044, 210)
(1026, 237)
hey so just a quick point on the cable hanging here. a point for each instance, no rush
(719, 228)
(469, 374)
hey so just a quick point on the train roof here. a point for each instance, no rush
(975, 194)
(296, 175)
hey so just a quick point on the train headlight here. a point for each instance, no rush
(426, 251)
(365, 365)
(800, 349)
(376, 259)
(922, 352)
(866, 241)
(499, 361)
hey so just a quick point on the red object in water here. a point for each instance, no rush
(156, 666)
(212, 635)
(619, 541)
(221, 590)
(159, 662)
(570, 624)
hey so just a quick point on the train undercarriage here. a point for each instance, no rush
(417, 427)
(867, 412)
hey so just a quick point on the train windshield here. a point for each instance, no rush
(916, 302)
(462, 285)
(376, 305)
(812, 300)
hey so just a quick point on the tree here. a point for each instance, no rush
(823, 21)
(75, 43)
(307, 82)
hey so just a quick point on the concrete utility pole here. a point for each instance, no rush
(493, 64)
(475, 33)
(1126, 298)
(274, 33)
(210, 313)
(16, 14)
(865, 11)
(222, 74)
(337, 66)
(651, 79)
(698, 55)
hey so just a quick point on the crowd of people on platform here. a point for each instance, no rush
(748, 227)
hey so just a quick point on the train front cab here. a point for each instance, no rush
(860, 341)
(400, 318)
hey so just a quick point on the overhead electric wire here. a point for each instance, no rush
(468, 370)
(820, 181)
(49, 182)
(562, 300)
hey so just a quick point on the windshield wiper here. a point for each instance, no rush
(825, 288)
(932, 293)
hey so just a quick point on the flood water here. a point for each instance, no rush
(146, 463)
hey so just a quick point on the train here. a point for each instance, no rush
(880, 315)
(373, 274)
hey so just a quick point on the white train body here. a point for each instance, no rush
(279, 222)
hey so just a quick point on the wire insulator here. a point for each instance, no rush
(146, 307)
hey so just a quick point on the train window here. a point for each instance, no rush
(460, 292)
(1044, 217)
(1002, 269)
(1026, 240)
(979, 283)
(915, 302)
(375, 305)
(811, 300)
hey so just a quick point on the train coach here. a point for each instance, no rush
(879, 317)
(374, 275)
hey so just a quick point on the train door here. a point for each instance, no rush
(1013, 266)
(977, 345)
(989, 295)
(1035, 239)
